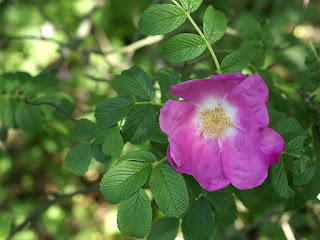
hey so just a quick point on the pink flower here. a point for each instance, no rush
(219, 135)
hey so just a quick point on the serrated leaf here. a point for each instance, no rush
(164, 229)
(214, 24)
(198, 223)
(193, 187)
(161, 19)
(134, 81)
(169, 190)
(139, 156)
(135, 215)
(113, 143)
(167, 77)
(138, 123)
(98, 155)
(27, 117)
(78, 158)
(191, 5)
(124, 179)
(224, 206)
(305, 177)
(279, 179)
(82, 130)
(183, 47)
(234, 62)
(286, 125)
(112, 110)
(156, 135)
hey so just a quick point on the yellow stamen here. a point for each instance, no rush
(214, 122)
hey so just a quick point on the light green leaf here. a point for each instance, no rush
(113, 143)
(167, 77)
(139, 156)
(138, 123)
(28, 117)
(161, 19)
(124, 179)
(7, 111)
(134, 81)
(234, 62)
(169, 190)
(98, 155)
(82, 130)
(135, 215)
(279, 179)
(191, 5)
(198, 223)
(183, 47)
(214, 24)
(78, 158)
(112, 110)
(224, 206)
(5, 226)
(164, 229)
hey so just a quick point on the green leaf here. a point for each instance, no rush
(43, 83)
(7, 111)
(83, 129)
(169, 190)
(98, 155)
(135, 215)
(138, 123)
(193, 187)
(28, 118)
(191, 5)
(78, 158)
(13, 82)
(139, 156)
(134, 81)
(234, 62)
(279, 179)
(224, 206)
(112, 110)
(113, 143)
(5, 226)
(161, 19)
(305, 177)
(164, 229)
(214, 24)
(124, 179)
(156, 135)
(198, 223)
(167, 77)
(183, 47)
(296, 143)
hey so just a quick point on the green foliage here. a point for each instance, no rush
(124, 179)
(78, 158)
(82, 130)
(161, 19)
(167, 77)
(28, 118)
(183, 47)
(5, 226)
(135, 214)
(169, 190)
(164, 229)
(199, 222)
(191, 5)
(234, 62)
(214, 24)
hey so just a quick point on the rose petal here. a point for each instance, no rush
(216, 86)
(272, 144)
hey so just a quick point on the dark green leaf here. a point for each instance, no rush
(124, 179)
(214, 24)
(28, 117)
(234, 62)
(43, 83)
(169, 190)
(164, 229)
(83, 129)
(112, 110)
(198, 223)
(305, 177)
(135, 215)
(167, 77)
(139, 156)
(191, 5)
(193, 187)
(134, 81)
(161, 19)
(7, 111)
(138, 123)
(113, 143)
(156, 135)
(78, 158)
(5, 226)
(98, 155)
(183, 47)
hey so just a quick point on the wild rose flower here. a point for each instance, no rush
(219, 135)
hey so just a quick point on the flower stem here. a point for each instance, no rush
(291, 154)
(160, 161)
(215, 59)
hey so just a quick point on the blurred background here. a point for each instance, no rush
(84, 44)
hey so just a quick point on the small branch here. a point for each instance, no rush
(284, 222)
(47, 204)
(307, 100)
(235, 33)
(50, 104)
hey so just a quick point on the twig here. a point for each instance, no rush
(47, 204)
(255, 224)
(284, 222)
(307, 100)
(50, 104)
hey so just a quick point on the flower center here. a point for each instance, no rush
(215, 122)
